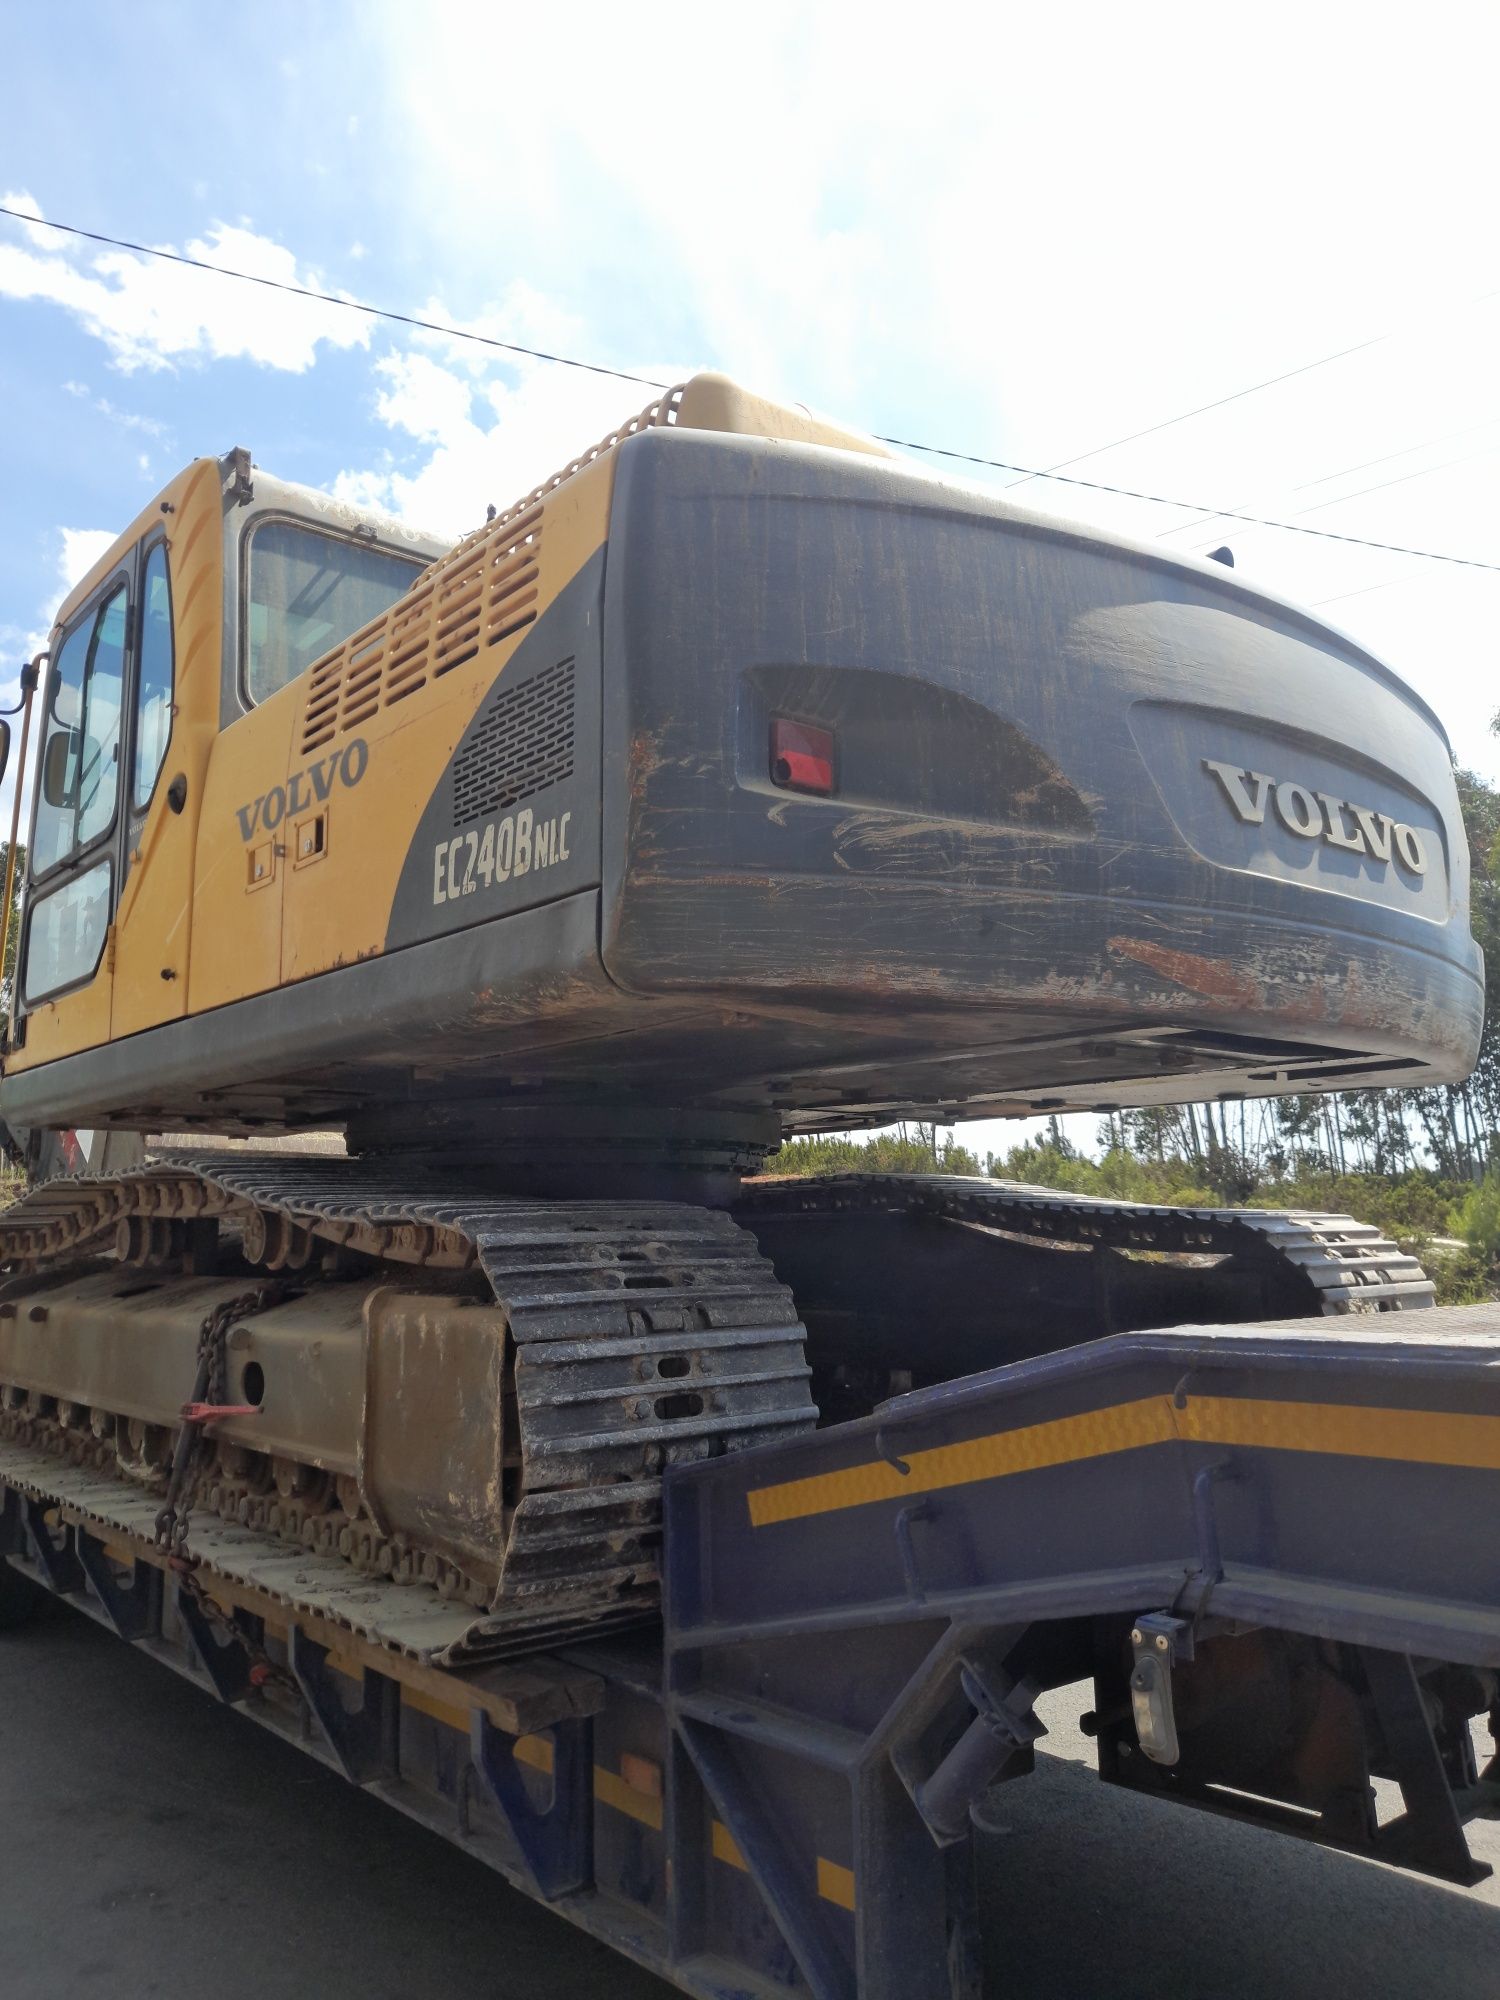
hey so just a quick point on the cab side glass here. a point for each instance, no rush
(66, 935)
(99, 758)
(81, 740)
(53, 836)
(153, 688)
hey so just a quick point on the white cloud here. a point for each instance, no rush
(422, 398)
(128, 420)
(44, 239)
(490, 434)
(80, 549)
(151, 315)
(1022, 235)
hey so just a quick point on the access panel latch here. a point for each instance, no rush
(1158, 1642)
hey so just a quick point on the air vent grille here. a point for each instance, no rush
(521, 744)
(481, 592)
(443, 620)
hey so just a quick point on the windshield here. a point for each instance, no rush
(306, 592)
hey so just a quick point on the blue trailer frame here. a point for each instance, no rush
(1276, 1548)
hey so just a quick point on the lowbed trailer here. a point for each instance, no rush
(1273, 1548)
(692, 1543)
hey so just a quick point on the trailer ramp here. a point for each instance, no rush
(1274, 1548)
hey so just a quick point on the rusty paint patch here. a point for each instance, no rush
(1214, 978)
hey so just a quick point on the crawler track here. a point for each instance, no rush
(1350, 1265)
(596, 1296)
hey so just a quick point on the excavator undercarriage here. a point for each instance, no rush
(457, 1412)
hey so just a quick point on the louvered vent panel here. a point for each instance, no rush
(520, 745)
(481, 592)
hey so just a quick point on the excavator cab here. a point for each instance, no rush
(220, 593)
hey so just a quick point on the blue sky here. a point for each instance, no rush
(1022, 232)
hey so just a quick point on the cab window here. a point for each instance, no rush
(305, 592)
(153, 687)
(66, 933)
(81, 742)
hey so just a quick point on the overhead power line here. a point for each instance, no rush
(1237, 395)
(1346, 471)
(1203, 409)
(649, 382)
(331, 299)
(1365, 465)
(1364, 590)
(1201, 507)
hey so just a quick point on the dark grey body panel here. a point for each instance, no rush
(553, 674)
(308, 1052)
(1025, 823)
(1031, 891)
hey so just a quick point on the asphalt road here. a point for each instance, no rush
(152, 1843)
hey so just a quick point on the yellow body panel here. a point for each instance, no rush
(239, 884)
(299, 815)
(153, 929)
(76, 1020)
(337, 904)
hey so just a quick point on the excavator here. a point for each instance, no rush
(534, 1454)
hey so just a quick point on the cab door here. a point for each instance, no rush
(154, 908)
(73, 864)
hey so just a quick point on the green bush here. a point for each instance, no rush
(1479, 1218)
(1419, 1210)
(886, 1153)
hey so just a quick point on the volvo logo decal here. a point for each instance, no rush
(1319, 816)
(309, 786)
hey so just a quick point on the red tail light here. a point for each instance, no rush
(801, 757)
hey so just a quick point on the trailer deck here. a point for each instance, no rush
(1273, 1547)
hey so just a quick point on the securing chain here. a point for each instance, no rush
(193, 1450)
(192, 1455)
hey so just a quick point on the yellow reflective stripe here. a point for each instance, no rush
(1423, 1437)
(835, 1884)
(533, 1750)
(1346, 1430)
(440, 1711)
(1028, 1449)
(611, 1790)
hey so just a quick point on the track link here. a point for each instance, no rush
(1350, 1265)
(643, 1334)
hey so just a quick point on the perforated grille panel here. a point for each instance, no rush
(448, 614)
(521, 744)
(483, 591)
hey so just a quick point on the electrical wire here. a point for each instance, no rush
(331, 299)
(648, 382)
(1199, 506)
(1203, 409)
(1364, 590)
(1368, 464)
(1254, 389)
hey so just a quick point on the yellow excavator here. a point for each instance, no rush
(741, 781)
